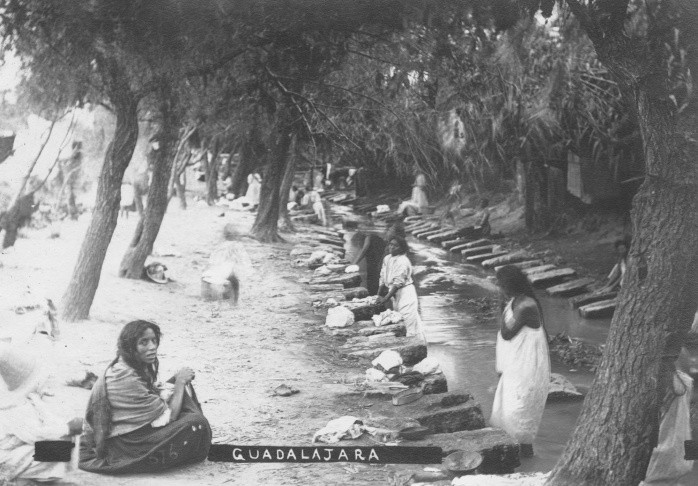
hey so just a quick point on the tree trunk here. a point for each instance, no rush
(535, 207)
(286, 184)
(149, 224)
(265, 227)
(244, 168)
(613, 440)
(212, 173)
(81, 290)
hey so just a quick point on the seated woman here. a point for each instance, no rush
(483, 219)
(132, 428)
(615, 278)
(396, 279)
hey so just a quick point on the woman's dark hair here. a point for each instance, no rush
(397, 229)
(514, 282)
(127, 349)
(403, 248)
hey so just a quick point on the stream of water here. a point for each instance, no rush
(464, 344)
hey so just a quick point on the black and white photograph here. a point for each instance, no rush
(348, 242)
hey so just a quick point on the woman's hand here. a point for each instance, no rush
(75, 426)
(185, 375)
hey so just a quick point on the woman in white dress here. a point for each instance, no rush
(254, 186)
(396, 279)
(418, 203)
(523, 361)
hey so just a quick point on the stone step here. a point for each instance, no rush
(440, 413)
(551, 276)
(448, 244)
(411, 349)
(348, 280)
(398, 329)
(364, 312)
(431, 385)
(590, 298)
(428, 232)
(522, 265)
(478, 250)
(500, 451)
(539, 269)
(517, 256)
(605, 308)
(480, 242)
(485, 257)
(568, 288)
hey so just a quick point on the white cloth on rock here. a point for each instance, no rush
(339, 316)
(397, 272)
(388, 359)
(338, 429)
(667, 463)
(516, 479)
(428, 366)
(524, 364)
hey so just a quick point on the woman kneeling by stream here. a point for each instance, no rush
(523, 361)
(137, 425)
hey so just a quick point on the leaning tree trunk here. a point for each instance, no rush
(286, 184)
(81, 290)
(265, 227)
(613, 440)
(149, 224)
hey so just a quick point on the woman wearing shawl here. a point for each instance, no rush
(396, 277)
(523, 361)
(134, 426)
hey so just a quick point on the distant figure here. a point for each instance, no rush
(483, 219)
(127, 203)
(453, 202)
(26, 418)
(315, 201)
(338, 178)
(137, 424)
(254, 187)
(614, 281)
(523, 361)
(300, 195)
(292, 197)
(374, 249)
(419, 202)
(396, 279)
(667, 464)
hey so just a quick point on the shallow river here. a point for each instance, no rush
(464, 345)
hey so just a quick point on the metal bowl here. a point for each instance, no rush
(463, 462)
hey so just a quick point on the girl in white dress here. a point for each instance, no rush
(396, 278)
(523, 361)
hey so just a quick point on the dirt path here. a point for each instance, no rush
(240, 354)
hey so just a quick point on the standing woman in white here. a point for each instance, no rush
(523, 361)
(396, 278)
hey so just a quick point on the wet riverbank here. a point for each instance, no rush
(460, 306)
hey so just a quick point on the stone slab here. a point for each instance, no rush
(569, 288)
(604, 308)
(500, 451)
(550, 276)
(517, 256)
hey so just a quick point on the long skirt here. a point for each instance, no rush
(152, 449)
(522, 391)
(406, 303)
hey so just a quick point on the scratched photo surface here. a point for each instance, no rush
(263, 242)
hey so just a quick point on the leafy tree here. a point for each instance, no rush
(651, 50)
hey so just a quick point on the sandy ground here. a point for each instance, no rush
(239, 353)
